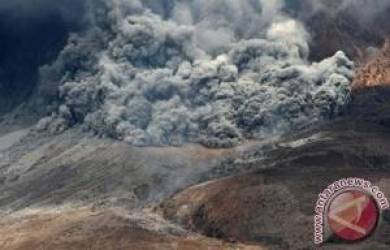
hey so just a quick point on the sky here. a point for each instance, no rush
(32, 33)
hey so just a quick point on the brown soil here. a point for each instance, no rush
(376, 71)
(95, 230)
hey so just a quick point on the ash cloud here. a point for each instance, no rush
(171, 72)
(32, 33)
(365, 11)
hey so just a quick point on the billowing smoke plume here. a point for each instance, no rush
(32, 33)
(363, 9)
(209, 71)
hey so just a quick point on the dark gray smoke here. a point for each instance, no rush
(32, 33)
(335, 25)
(210, 71)
(364, 10)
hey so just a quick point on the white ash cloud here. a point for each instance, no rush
(214, 72)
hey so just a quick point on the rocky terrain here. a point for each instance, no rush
(101, 229)
(376, 70)
(74, 191)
